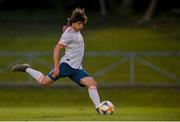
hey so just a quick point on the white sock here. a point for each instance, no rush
(35, 74)
(93, 93)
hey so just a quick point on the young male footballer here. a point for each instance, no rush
(70, 64)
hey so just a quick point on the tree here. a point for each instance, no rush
(1, 1)
(126, 6)
(146, 19)
(102, 4)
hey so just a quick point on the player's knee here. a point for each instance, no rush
(44, 82)
(92, 83)
(88, 82)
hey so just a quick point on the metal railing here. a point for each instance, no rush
(125, 56)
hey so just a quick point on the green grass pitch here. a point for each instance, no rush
(87, 113)
(74, 104)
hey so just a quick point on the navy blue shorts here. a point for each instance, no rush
(67, 71)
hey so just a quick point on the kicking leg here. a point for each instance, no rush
(43, 80)
(91, 84)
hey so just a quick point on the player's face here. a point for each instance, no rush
(78, 26)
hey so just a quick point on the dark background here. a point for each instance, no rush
(60, 8)
(90, 5)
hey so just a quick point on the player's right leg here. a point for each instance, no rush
(43, 80)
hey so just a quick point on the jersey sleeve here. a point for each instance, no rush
(65, 39)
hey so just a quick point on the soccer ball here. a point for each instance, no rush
(106, 108)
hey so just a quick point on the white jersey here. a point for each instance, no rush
(74, 48)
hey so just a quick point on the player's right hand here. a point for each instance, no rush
(56, 72)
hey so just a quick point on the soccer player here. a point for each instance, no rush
(70, 64)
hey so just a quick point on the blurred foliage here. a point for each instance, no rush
(90, 5)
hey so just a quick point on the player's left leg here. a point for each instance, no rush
(91, 84)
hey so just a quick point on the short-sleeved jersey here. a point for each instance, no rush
(74, 48)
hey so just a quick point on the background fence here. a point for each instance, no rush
(166, 68)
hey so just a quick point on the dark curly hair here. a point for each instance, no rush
(78, 14)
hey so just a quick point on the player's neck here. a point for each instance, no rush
(74, 28)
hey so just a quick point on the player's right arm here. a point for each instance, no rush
(63, 42)
(56, 54)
